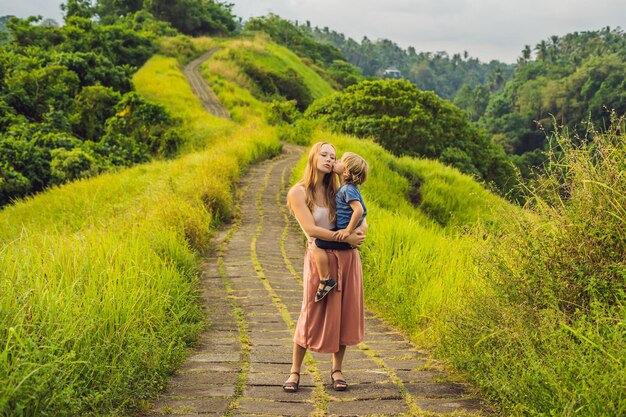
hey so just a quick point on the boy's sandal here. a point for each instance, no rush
(338, 384)
(329, 284)
(292, 386)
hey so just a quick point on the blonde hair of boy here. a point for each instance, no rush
(355, 168)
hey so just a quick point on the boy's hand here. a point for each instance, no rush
(342, 234)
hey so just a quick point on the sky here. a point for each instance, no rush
(486, 29)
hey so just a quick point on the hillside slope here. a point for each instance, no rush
(101, 298)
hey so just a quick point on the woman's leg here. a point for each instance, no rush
(339, 383)
(338, 360)
(296, 361)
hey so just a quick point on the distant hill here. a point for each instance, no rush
(567, 81)
(430, 71)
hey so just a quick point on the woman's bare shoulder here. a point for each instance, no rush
(296, 192)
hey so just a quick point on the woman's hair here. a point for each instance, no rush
(310, 178)
(355, 168)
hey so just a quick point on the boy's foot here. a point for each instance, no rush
(325, 287)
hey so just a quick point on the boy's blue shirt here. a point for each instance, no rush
(346, 194)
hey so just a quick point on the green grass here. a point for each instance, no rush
(234, 88)
(526, 303)
(548, 336)
(161, 80)
(279, 56)
(99, 286)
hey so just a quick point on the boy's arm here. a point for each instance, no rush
(357, 212)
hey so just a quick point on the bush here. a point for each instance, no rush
(69, 165)
(283, 112)
(180, 47)
(95, 104)
(12, 184)
(146, 123)
(344, 74)
(411, 122)
(288, 84)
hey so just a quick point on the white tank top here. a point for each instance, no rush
(321, 215)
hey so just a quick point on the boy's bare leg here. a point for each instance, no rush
(321, 261)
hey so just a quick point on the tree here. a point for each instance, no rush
(344, 73)
(526, 52)
(408, 121)
(496, 79)
(195, 17)
(542, 50)
(77, 8)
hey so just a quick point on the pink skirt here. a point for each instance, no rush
(337, 319)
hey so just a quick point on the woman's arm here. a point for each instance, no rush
(297, 202)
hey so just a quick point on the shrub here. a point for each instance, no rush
(287, 83)
(344, 74)
(68, 165)
(13, 185)
(411, 122)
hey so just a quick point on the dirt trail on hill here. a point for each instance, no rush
(252, 289)
(201, 89)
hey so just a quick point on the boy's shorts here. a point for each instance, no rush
(329, 244)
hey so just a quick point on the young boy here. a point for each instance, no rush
(352, 170)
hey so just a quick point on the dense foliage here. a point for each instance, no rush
(573, 79)
(408, 121)
(191, 17)
(67, 110)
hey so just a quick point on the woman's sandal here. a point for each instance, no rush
(329, 284)
(338, 384)
(292, 386)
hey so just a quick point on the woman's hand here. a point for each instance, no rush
(341, 235)
(356, 239)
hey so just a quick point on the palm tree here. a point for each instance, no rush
(542, 50)
(526, 54)
(554, 47)
(496, 79)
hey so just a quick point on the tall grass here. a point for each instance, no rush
(98, 292)
(549, 337)
(527, 303)
(161, 80)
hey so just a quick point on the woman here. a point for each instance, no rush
(337, 321)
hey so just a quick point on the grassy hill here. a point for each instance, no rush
(98, 297)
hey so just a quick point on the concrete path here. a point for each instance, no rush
(252, 287)
(201, 89)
